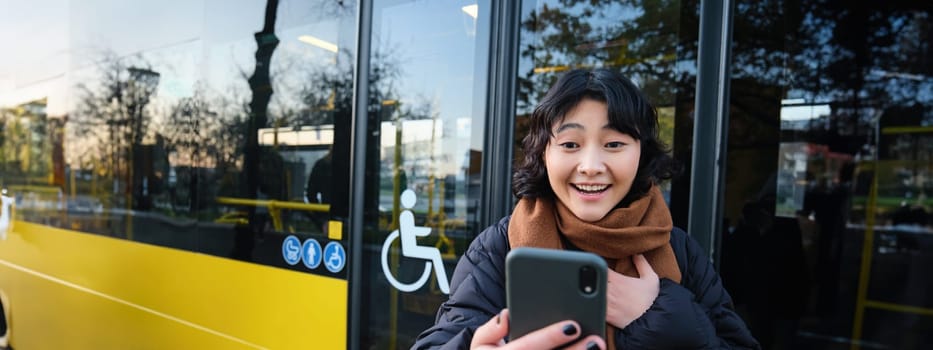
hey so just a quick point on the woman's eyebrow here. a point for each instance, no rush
(563, 127)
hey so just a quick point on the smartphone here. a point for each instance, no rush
(544, 286)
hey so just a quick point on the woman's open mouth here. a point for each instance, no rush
(590, 189)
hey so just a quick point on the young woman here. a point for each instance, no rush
(592, 162)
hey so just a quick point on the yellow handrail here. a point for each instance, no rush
(275, 207)
(862, 303)
(896, 130)
(275, 204)
(35, 188)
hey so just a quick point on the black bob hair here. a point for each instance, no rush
(630, 112)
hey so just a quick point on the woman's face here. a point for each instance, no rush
(590, 165)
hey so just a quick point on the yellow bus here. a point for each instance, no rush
(192, 187)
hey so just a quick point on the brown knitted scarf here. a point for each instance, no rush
(644, 227)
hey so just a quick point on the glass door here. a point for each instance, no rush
(652, 43)
(427, 88)
(827, 238)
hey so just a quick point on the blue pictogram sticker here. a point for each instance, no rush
(291, 250)
(311, 253)
(335, 258)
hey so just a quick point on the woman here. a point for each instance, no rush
(589, 182)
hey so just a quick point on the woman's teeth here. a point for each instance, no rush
(591, 188)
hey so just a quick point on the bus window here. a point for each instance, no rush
(160, 158)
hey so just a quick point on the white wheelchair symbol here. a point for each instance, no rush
(335, 257)
(410, 248)
(335, 260)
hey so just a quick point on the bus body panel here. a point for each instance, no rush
(92, 291)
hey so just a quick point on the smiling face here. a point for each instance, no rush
(590, 165)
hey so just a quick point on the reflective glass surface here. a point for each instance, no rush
(206, 126)
(653, 43)
(828, 235)
(426, 121)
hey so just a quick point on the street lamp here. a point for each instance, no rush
(140, 87)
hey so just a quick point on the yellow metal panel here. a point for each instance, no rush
(335, 230)
(74, 290)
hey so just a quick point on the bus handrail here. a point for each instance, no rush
(275, 207)
(274, 204)
(35, 188)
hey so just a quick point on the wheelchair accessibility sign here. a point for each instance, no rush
(408, 233)
(335, 257)
(309, 253)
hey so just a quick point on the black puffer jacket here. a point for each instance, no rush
(695, 314)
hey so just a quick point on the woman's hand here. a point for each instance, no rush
(627, 298)
(491, 335)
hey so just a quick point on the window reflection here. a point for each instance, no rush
(641, 40)
(830, 112)
(191, 131)
(427, 88)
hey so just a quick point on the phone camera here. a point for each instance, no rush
(587, 280)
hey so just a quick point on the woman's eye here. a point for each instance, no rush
(569, 145)
(615, 144)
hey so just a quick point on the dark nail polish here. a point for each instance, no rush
(570, 329)
(499, 317)
(592, 346)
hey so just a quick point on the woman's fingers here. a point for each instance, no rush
(643, 267)
(592, 342)
(491, 334)
(627, 298)
(549, 337)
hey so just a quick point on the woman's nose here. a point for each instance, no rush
(591, 163)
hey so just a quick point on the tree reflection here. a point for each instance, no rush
(861, 59)
(189, 123)
(261, 88)
(112, 117)
(866, 63)
(861, 67)
(653, 42)
(640, 38)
